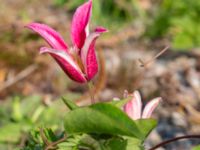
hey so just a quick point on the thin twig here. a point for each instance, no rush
(53, 144)
(18, 77)
(144, 64)
(173, 140)
(44, 139)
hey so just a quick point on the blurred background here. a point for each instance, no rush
(31, 85)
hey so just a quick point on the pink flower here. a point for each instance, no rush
(79, 62)
(134, 107)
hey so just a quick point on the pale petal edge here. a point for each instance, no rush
(53, 38)
(150, 107)
(137, 105)
(67, 64)
(88, 54)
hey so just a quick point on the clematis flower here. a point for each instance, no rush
(134, 107)
(79, 62)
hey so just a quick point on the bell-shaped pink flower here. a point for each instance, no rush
(134, 107)
(79, 62)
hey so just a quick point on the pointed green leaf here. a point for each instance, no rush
(101, 118)
(116, 144)
(120, 103)
(133, 143)
(146, 125)
(70, 104)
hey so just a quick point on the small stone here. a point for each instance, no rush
(179, 120)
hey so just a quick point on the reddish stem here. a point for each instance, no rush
(173, 140)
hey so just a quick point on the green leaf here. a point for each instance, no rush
(70, 104)
(77, 142)
(10, 133)
(146, 125)
(50, 134)
(133, 143)
(116, 144)
(16, 114)
(101, 118)
(196, 147)
(120, 103)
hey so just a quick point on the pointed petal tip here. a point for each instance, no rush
(150, 107)
(125, 95)
(29, 26)
(136, 92)
(101, 30)
(80, 24)
(66, 63)
(43, 50)
(137, 95)
(53, 38)
(32, 25)
(90, 1)
(157, 100)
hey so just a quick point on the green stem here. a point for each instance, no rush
(91, 92)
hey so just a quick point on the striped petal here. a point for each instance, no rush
(67, 64)
(80, 24)
(134, 106)
(53, 38)
(150, 107)
(88, 54)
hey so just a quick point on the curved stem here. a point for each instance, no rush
(173, 140)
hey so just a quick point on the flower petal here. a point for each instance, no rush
(53, 38)
(128, 109)
(134, 106)
(150, 107)
(67, 64)
(80, 24)
(88, 54)
(137, 105)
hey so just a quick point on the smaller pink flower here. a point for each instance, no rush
(134, 107)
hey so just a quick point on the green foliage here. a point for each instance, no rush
(120, 103)
(179, 20)
(81, 141)
(120, 11)
(10, 133)
(100, 118)
(146, 125)
(20, 115)
(101, 126)
(94, 142)
(35, 141)
(105, 118)
(70, 104)
(196, 147)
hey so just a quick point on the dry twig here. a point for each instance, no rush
(145, 64)
(23, 74)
